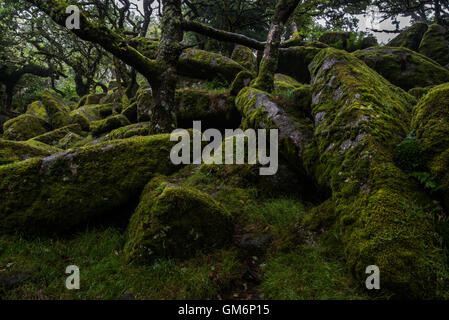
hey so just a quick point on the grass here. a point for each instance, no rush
(104, 273)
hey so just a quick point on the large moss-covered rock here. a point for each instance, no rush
(57, 110)
(431, 123)
(403, 67)
(69, 140)
(297, 95)
(57, 193)
(245, 57)
(206, 65)
(138, 129)
(87, 114)
(144, 103)
(411, 37)
(24, 127)
(12, 151)
(260, 111)
(383, 216)
(435, 44)
(175, 221)
(37, 109)
(215, 110)
(294, 61)
(90, 99)
(106, 125)
(242, 80)
(52, 138)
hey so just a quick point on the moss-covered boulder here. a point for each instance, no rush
(411, 37)
(175, 221)
(260, 111)
(206, 65)
(294, 61)
(242, 80)
(89, 99)
(69, 140)
(404, 68)
(57, 110)
(383, 216)
(298, 96)
(106, 125)
(89, 113)
(138, 129)
(12, 151)
(144, 103)
(57, 193)
(435, 44)
(37, 109)
(24, 127)
(431, 123)
(245, 57)
(52, 138)
(215, 110)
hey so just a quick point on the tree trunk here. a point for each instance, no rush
(269, 63)
(162, 115)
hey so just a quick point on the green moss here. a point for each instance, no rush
(245, 57)
(139, 129)
(52, 138)
(69, 140)
(242, 80)
(12, 151)
(57, 110)
(37, 109)
(411, 37)
(409, 155)
(87, 114)
(206, 65)
(24, 127)
(431, 122)
(55, 194)
(174, 221)
(435, 44)
(419, 92)
(383, 216)
(106, 125)
(403, 67)
(90, 99)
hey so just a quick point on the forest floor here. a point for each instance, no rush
(285, 268)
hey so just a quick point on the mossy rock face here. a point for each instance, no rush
(294, 61)
(37, 109)
(144, 103)
(384, 216)
(260, 111)
(431, 123)
(57, 193)
(403, 67)
(206, 65)
(70, 139)
(52, 138)
(138, 129)
(174, 221)
(57, 110)
(214, 110)
(24, 127)
(245, 57)
(419, 92)
(295, 93)
(89, 99)
(335, 39)
(411, 37)
(12, 151)
(106, 125)
(89, 113)
(242, 80)
(435, 44)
